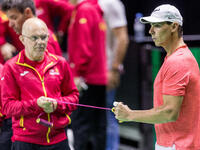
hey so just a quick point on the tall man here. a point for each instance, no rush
(86, 49)
(176, 112)
(32, 83)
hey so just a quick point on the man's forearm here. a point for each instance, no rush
(121, 46)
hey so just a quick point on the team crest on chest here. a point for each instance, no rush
(54, 71)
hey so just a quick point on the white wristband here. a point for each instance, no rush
(115, 104)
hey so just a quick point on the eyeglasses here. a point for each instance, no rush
(34, 38)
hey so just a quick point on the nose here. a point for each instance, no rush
(151, 30)
(11, 24)
(40, 42)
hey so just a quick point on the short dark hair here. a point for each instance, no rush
(20, 5)
(180, 29)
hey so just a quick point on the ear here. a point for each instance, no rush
(28, 12)
(21, 38)
(174, 26)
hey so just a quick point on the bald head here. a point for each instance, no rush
(35, 38)
(33, 24)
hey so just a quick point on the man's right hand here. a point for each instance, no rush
(80, 84)
(122, 112)
(49, 105)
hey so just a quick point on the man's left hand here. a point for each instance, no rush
(113, 79)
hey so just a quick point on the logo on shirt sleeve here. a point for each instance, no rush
(82, 20)
(54, 37)
(3, 16)
(102, 26)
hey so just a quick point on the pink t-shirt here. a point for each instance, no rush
(179, 76)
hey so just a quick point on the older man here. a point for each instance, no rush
(33, 84)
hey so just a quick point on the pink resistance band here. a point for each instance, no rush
(82, 105)
(50, 124)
